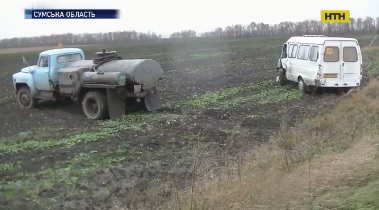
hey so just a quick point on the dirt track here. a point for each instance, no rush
(218, 104)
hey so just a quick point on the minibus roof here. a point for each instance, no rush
(317, 39)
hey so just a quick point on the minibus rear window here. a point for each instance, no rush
(331, 54)
(350, 54)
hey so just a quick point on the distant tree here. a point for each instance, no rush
(367, 25)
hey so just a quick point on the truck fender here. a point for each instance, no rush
(20, 79)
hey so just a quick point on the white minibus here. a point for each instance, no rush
(319, 61)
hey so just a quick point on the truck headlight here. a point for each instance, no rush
(137, 88)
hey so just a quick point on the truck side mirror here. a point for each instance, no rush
(24, 60)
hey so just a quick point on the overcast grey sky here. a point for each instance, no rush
(168, 16)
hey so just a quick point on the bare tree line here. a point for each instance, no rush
(366, 25)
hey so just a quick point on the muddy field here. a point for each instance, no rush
(220, 100)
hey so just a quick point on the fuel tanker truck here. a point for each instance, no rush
(102, 85)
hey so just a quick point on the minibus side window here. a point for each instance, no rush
(290, 48)
(294, 52)
(350, 54)
(303, 53)
(331, 54)
(313, 56)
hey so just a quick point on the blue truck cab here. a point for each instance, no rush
(40, 81)
(101, 86)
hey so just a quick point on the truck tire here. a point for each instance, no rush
(95, 105)
(25, 99)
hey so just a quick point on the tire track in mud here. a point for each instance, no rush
(208, 127)
(367, 61)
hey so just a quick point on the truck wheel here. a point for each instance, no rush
(302, 86)
(25, 98)
(95, 105)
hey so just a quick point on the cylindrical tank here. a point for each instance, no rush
(141, 71)
(108, 78)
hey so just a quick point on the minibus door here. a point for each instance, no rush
(332, 60)
(351, 65)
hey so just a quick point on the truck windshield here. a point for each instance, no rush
(69, 58)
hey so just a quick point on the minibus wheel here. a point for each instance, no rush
(302, 86)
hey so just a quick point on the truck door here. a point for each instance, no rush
(332, 60)
(41, 74)
(351, 65)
